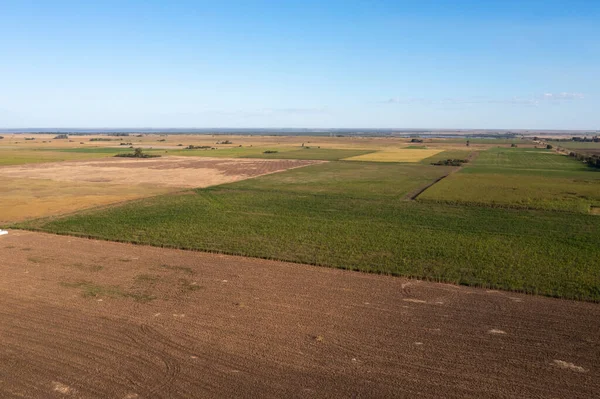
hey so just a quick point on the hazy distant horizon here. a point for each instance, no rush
(291, 131)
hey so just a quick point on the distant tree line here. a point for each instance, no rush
(450, 162)
(591, 160)
(585, 139)
(594, 139)
(137, 153)
(61, 137)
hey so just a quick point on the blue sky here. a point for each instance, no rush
(386, 64)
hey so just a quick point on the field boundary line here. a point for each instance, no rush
(350, 269)
(413, 196)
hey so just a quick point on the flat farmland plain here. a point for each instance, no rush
(91, 319)
(356, 215)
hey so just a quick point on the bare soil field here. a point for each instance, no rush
(45, 189)
(92, 319)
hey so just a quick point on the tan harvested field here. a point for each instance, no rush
(93, 319)
(37, 190)
(30, 198)
(165, 172)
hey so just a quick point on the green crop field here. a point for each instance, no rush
(523, 161)
(521, 178)
(517, 191)
(22, 157)
(486, 141)
(354, 215)
(92, 150)
(347, 179)
(326, 154)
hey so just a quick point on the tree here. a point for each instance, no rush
(138, 153)
(549, 147)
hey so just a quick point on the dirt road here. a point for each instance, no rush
(92, 319)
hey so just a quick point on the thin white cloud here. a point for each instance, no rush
(528, 101)
(302, 111)
(563, 96)
(251, 112)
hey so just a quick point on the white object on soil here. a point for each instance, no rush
(2, 232)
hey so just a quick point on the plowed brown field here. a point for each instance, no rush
(92, 319)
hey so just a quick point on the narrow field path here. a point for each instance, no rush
(94, 319)
(413, 196)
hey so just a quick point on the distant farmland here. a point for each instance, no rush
(521, 178)
(357, 215)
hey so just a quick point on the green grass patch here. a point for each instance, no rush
(521, 178)
(309, 153)
(183, 269)
(92, 290)
(325, 154)
(231, 152)
(488, 141)
(351, 216)
(527, 161)
(346, 179)
(26, 156)
(96, 150)
(516, 191)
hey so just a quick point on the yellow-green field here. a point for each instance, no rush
(397, 155)
(30, 198)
